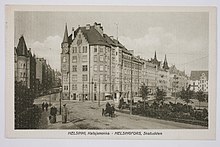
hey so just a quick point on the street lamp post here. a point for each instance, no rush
(60, 98)
(92, 89)
(131, 96)
(99, 92)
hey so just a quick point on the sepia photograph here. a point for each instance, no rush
(86, 72)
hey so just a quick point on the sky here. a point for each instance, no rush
(182, 36)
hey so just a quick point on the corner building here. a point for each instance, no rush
(95, 65)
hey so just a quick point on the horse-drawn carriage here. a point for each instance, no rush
(109, 110)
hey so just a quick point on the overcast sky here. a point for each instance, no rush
(183, 37)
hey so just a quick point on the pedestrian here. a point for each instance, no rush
(64, 113)
(46, 106)
(43, 105)
(53, 113)
(112, 110)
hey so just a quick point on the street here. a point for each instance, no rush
(87, 115)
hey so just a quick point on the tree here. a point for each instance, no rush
(27, 115)
(144, 92)
(200, 96)
(160, 95)
(186, 95)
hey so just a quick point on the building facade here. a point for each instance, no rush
(96, 66)
(32, 72)
(199, 81)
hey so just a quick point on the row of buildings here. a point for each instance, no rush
(35, 73)
(95, 66)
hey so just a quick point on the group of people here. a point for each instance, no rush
(45, 106)
(53, 113)
(109, 110)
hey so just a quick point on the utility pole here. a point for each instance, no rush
(99, 93)
(83, 91)
(92, 89)
(131, 95)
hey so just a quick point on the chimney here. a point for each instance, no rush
(132, 52)
(99, 28)
(73, 35)
(112, 38)
(87, 26)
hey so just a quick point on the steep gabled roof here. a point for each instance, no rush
(92, 36)
(195, 75)
(165, 64)
(22, 48)
(65, 36)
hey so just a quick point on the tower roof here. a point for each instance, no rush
(165, 64)
(155, 56)
(22, 48)
(65, 37)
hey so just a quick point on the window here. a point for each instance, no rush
(95, 49)
(101, 67)
(105, 87)
(95, 77)
(84, 68)
(106, 67)
(74, 68)
(101, 58)
(95, 87)
(74, 87)
(65, 87)
(65, 78)
(95, 67)
(101, 77)
(84, 77)
(74, 59)
(84, 86)
(79, 49)
(100, 49)
(74, 49)
(84, 49)
(64, 66)
(95, 58)
(74, 77)
(84, 58)
(64, 59)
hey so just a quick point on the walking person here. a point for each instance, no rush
(43, 105)
(46, 106)
(53, 113)
(65, 113)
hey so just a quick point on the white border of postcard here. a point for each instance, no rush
(179, 134)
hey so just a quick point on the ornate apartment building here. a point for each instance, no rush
(95, 65)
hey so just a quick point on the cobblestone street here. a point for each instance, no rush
(87, 115)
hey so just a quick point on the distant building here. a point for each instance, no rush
(162, 73)
(25, 70)
(178, 79)
(32, 72)
(199, 81)
(149, 75)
